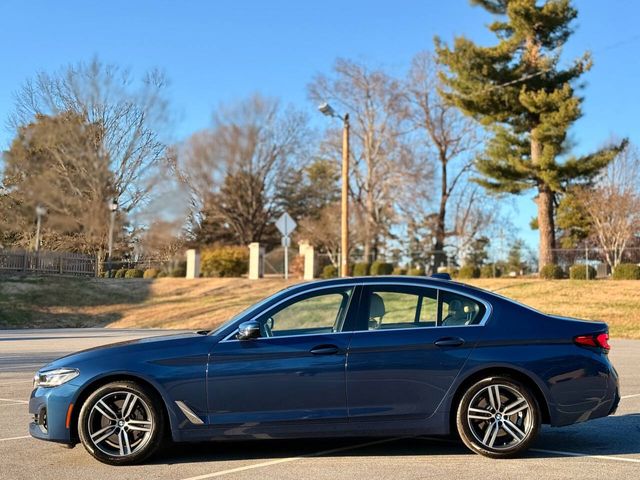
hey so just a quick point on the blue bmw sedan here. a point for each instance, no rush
(373, 356)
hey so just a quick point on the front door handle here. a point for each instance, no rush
(325, 350)
(449, 342)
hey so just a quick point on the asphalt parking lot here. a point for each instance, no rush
(604, 448)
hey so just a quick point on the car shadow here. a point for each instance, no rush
(617, 435)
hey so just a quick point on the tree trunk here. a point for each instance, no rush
(439, 258)
(544, 200)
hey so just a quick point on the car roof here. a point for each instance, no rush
(394, 279)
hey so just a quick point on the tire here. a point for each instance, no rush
(500, 428)
(121, 423)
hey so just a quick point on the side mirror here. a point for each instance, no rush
(248, 330)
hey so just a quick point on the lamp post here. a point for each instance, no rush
(113, 208)
(327, 110)
(40, 212)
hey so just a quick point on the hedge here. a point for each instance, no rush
(361, 269)
(626, 271)
(551, 271)
(329, 271)
(224, 262)
(469, 271)
(133, 273)
(579, 272)
(399, 271)
(381, 268)
(416, 272)
(120, 273)
(151, 273)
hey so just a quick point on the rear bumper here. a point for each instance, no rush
(592, 396)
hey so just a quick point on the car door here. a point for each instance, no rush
(408, 347)
(295, 370)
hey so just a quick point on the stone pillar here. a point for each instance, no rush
(256, 261)
(193, 264)
(307, 251)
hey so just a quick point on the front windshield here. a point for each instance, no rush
(247, 311)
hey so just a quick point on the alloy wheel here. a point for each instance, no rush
(120, 424)
(500, 417)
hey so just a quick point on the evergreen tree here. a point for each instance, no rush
(518, 89)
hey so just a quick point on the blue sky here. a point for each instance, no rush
(215, 51)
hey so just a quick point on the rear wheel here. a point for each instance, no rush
(498, 417)
(121, 423)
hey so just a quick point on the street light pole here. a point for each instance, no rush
(327, 110)
(113, 208)
(40, 212)
(344, 240)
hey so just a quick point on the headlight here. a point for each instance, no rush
(53, 378)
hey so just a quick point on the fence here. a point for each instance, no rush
(47, 263)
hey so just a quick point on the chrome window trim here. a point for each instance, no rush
(229, 338)
(483, 321)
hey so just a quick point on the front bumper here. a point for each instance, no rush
(49, 408)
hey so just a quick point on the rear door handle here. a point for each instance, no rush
(449, 342)
(325, 350)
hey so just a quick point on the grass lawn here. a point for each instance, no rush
(47, 302)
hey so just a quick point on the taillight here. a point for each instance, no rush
(599, 340)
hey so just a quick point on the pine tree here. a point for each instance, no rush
(518, 89)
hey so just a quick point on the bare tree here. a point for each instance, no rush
(231, 170)
(129, 118)
(613, 204)
(382, 165)
(450, 140)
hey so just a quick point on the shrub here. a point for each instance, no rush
(361, 269)
(162, 274)
(416, 272)
(399, 271)
(469, 271)
(224, 262)
(381, 268)
(579, 272)
(133, 273)
(626, 271)
(329, 271)
(452, 271)
(120, 273)
(151, 273)
(490, 271)
(551, 271)
(178, 270)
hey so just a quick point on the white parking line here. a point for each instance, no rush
(14, 438)
(16, 382)
(587, 455)
(291, 459)
(630, 396)
(14, 400)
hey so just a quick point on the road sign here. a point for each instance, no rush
(286, 224)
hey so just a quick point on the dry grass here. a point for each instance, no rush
(205, 303)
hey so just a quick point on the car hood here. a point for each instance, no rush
(141, 345)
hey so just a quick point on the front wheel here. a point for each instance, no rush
(498, 417)
(121, 423)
